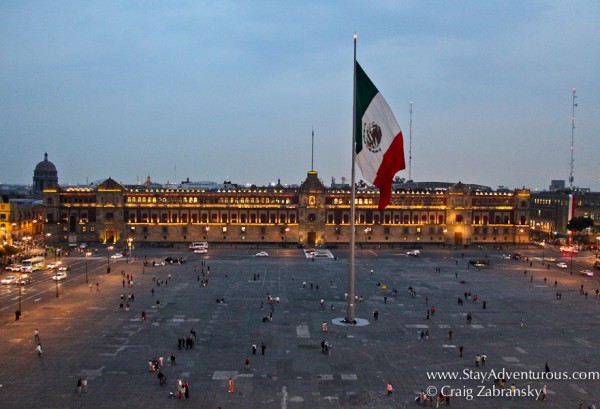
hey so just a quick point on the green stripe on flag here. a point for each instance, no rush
(365, 92)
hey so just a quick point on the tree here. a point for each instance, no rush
(579, 224)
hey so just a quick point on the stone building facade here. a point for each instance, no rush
(310, 215)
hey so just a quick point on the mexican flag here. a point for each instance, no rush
(379, 144)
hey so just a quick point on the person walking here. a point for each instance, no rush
(39, 350)
(389, 388)
(230, 385)
(262, 348)
(253, 349)
(247, 362)
(36, 336)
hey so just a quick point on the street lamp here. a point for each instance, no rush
(130, 247)
(543, 251)
(87, 254)
(206, 229)
(56, 284)
(108, 249)
(18, 313)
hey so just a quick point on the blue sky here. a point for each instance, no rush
(230, 90)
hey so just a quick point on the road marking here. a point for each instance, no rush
(284, 397)
(521, 350)
(302, 331)
(37, 299)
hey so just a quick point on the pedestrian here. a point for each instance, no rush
(544, 392)
(262, 348)
(547, 367)
(460, 349)
(375, 315)
(450, 334)
(36, 335)
(324, 326)
(428, 313)
(230, 385)
(143, 315)
(97, 287)
(483, 358)
(172, 359)
(247, 362)
(79, 385)
(477, 359)
(323, 346)
(390, 388)
(253, 349)
(84, 384)
(39, 350)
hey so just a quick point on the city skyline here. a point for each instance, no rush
(233, 91)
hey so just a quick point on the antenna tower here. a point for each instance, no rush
(410, 144)
(571, 177)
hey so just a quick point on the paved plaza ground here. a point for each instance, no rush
(84, 332)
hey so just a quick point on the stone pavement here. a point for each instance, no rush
(86, 333)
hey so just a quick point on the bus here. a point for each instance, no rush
(203, 245)
(33, 264)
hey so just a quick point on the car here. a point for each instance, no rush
(262, 254)
(117, 256)
(201, 250)
(479, 263)
(24, 280)
(414, 253)
(8, 280)
(516, 256)
(53, 264)
(587, 273)
(59, 276)
(14, 267)
(506, 256)
(549, 259)
(562, 264)
(64, 268)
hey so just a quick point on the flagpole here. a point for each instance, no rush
(351, 270)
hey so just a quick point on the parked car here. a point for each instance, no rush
(59, 276)
(562, 264)
(8, 280)
(262, 254)
(14, 267)
(414, 253)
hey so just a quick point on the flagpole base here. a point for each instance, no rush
(357, 322)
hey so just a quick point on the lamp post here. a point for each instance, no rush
(206, 229)
(56, 284)
(543, 252)
(87, 254)
(130, 247)
(108, 249)
(18, 313)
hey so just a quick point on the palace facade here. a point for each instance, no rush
(310, 214)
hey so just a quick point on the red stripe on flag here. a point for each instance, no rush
(393, 162)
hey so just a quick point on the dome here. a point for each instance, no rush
(45, 165)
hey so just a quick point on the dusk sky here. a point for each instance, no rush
(230, 90)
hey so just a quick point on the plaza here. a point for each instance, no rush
(85, 333)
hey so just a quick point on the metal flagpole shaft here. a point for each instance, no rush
(351, 269)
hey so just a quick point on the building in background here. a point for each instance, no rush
(310, 214)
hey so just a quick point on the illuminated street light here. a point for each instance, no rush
(108, 249)
(130, 247)
(87, 254)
